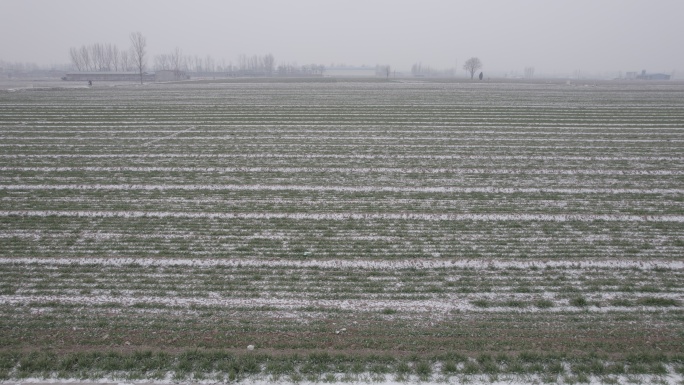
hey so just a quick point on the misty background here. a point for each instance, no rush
(557, 37)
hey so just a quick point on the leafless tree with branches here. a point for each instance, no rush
(75, 56)
(269, 64)
(139, 52)
(529, 72)
(125, 61)
(472, 65)
(161, 62)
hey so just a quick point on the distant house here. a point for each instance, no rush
(109, 76)
(645, 76)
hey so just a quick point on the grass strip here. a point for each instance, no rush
(320, 365)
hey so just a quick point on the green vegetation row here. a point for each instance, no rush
(518, 287)
(292, 239)
(225, 366)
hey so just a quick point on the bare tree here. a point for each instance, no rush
(529, 72)
(174, 61)
(242, 62)
(85, 59)
(177, 63)
(75, 56)
(472, 65)
(254, 63)
(97, 57)
(107, 57)
(198, 67)
(269, 64)
(125, 61)
(100, 55)
(416, 69)
(113, 55)
(383, 70)
(139, 51)
(209, 64)
(161, 62)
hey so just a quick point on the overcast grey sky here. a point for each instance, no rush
(551, 35)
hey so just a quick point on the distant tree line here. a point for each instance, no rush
(177, 61)
(304, 70)
(108, 57)
(256, 64)
(6, 66)
(246, 65)
(419, 70)
(13, 69)
(101, 57)
(174, 61)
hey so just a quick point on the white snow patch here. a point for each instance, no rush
(343, 216)
(346, 189)
(365, 263)
(367, 378)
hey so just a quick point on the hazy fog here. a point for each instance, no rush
(553, 36)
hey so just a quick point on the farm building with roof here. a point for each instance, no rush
(645, 76)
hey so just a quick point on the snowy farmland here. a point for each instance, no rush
(383, 229)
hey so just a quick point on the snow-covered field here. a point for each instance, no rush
(433, 230)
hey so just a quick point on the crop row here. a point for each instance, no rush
(323, 366)
(206, 236)
(415, 290)
(351, 202)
